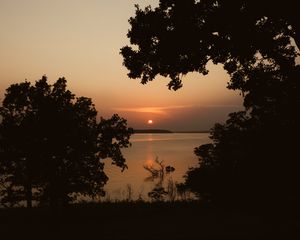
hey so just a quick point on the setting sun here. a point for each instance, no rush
(150, 121)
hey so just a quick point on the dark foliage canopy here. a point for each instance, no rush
(253, 157)
(52, 147)
(183, 36)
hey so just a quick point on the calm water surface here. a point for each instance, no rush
(175, 149)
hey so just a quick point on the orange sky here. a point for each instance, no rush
(81, 40)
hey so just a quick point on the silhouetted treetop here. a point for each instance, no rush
(179, 37)
(52, 146)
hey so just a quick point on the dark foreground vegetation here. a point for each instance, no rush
(140, 220)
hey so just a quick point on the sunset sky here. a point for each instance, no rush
(81, 40)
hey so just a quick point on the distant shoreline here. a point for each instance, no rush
(137, 131)
(200, 131)
(151, 131)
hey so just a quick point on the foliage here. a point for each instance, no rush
(183, 36)
(52, 146)
(252, 157)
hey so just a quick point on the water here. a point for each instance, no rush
(176, 150)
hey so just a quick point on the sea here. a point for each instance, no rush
(151, 153)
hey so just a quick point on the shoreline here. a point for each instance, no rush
(161, 131)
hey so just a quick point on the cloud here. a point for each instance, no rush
(164, 110)
(157, 110)
(220, 106)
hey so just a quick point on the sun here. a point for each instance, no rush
(150, 121)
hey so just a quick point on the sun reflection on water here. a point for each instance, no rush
(174, 150)
(150, 138)
(149, 162)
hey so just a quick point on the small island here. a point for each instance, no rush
(195, 131)
(151, 131)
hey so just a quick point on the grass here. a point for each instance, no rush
(145, 220)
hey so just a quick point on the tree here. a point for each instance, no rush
(183, 36)
(252, 156)
(52, 147)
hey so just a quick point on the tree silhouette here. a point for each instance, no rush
(52, 147)
(183, 36)
(252, 157)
